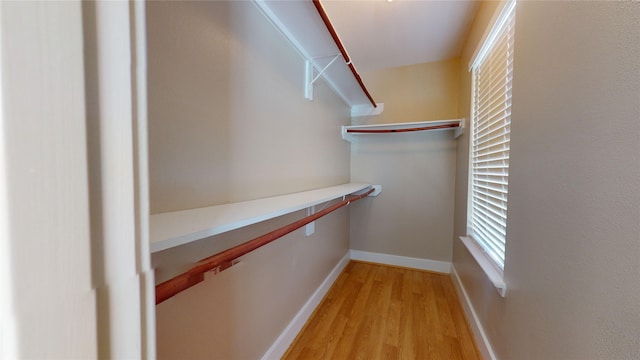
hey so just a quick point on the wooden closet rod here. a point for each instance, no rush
(424, 128)
(225, 258)
(336, 39)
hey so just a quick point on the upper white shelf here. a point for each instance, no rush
(301, 24)
(350, 133)
(176, 228)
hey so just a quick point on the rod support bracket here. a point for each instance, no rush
(222, 267)
(310, 228)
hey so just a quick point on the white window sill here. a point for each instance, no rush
(495, 275)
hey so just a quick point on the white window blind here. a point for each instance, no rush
(491, 117)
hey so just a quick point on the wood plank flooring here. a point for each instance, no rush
(382, 312)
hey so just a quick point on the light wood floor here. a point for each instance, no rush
(382, 312)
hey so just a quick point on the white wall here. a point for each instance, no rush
(228, 122)
(413, 216)
(121, 266)
(46, 276)
(73, 277)
(573, 256)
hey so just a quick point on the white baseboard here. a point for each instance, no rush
(395, 260)
(481, 337)
(289, 334)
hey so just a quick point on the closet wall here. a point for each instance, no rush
(228, 122)
(413, 216)
(572, 252)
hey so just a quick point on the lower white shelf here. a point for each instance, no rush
(176, 228)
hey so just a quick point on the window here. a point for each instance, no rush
(492, 73)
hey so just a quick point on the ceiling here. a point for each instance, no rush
(380, 34)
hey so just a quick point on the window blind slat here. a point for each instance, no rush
(495, 82)
(496, 87)
(491, 172)
(495, 216)
(492, 135)
(489, 246)
(488, 234)
(504, 143)
(491, 157)
(499, 117)
(492, 101)
(491, 61)
(493, 181)
(492, 246)
(492, 188)
(496, 198)
(496, 71)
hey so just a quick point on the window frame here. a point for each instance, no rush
(493, 269)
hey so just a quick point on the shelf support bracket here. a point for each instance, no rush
(460, 130)
(309, 79)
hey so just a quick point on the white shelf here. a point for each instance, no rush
(301, 24)
(402, 126)
(176, 228)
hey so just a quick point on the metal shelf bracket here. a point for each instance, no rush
(309, 77)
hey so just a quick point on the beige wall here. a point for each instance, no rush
(228, 122)
(418, 92)
(227, 116)
(414, 214)
(573, 256)
(239, 313)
